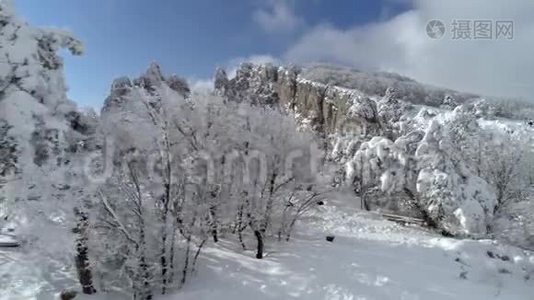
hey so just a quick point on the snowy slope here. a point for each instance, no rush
(44, 141)
(369, 259)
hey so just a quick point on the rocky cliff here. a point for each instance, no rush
(387, 113)
(326, 108)
(331, 99)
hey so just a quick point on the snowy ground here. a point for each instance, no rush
(369, 259)
(26, 276)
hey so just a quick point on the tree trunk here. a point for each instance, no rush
(171, 253)
(290, 228)
(269, 205)
(365, 204)
(259, 238)
(163, 262)
(240, 237)
(197, 254)
(240, 224)
(213, 226)
(424, 214)
(186, 263)
(164, 232)
(85, 276)
(163, 251)
(146, 292)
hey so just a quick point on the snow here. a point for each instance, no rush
(370, 258)
(26, 276)
(517, 128)
(8, 241)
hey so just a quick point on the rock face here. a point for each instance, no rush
(375, 106)
(328, 109)
(123, 90)
(125, 113)
(332, 99)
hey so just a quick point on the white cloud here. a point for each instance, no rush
(277, 16)
(491, 67)
(200, 84)
(256, 59)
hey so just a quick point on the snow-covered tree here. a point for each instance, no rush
(42, 135)
(384, 170)
(363, 110)
(459, 201)
(449, 102)
(210, 168)
(390, 111)
(495, 155)
(279, 160)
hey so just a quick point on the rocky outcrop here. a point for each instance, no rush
(128, 110)
(334, 99)
(328, 109)
(123, 90)
(384, 116)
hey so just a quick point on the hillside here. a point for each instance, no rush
(370, 258)
(280, 182)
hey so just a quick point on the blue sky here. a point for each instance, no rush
(192, 38)
(189, 38)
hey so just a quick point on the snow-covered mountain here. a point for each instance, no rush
(349, 185)
(409, 147)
